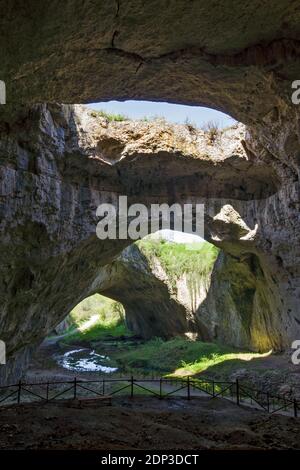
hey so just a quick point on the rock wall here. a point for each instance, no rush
(233, 56)
(151, 308)
(240, 306)
(219, 298)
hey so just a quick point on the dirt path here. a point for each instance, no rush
(146, 423)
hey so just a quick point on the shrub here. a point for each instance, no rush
(212, 130)
(191, 126)
(109, 116)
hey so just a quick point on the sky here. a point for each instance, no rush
(171, 112)
(177, 237)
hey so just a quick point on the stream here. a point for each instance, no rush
(85, 360)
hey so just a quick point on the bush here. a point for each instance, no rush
(191, 126)
(212, 130)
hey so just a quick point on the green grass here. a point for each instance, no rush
(177, 357)
(110, 116)
(179, 258)
(96, 317)
(109, 311)
(97, 332)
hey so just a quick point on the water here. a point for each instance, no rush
(85, 360)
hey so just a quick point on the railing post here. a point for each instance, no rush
(131, 388)
(237, 386)
(295, 408)
(103, 387)
(160, 388)
(47, 392)
(19, 391)
(75, 388)
(188, 388)
(268, 402)
(213, 388)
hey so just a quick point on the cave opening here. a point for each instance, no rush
(135, 311)
(154, 316)
(206, 287)
(150, 161)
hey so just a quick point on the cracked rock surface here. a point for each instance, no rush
(232, 56)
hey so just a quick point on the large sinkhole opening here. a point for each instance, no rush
(170, 304)
(199, 117)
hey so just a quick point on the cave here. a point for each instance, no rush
(59, 161)
(62, 161)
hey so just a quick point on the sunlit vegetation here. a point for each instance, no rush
(110, 116)
(98, 319)
(179, 258)
(95, 318)
(212, 130)
(100, 323)
(178, 357)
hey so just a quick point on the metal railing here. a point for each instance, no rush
(162, 387)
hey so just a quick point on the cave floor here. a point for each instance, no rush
(274, 373)
(145, 423)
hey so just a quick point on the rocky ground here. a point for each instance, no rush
(274, 373)
(145, 423)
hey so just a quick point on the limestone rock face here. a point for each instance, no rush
(152, 306)
(58, 163)
(235, 56)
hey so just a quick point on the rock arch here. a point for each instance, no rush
(54, 176)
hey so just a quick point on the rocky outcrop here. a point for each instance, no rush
(157, 301)
(151, 308)
(58, 163)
